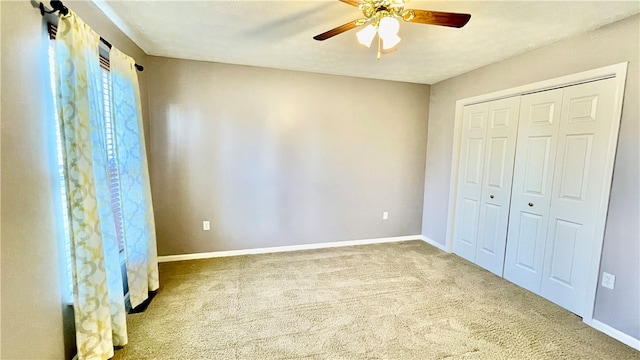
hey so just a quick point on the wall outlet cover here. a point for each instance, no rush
(608, 280)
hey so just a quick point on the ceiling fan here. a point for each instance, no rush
(382, 19)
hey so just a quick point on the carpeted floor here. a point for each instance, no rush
(401, 301)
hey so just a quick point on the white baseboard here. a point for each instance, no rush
(616, 334)
(274, 249)
(434, 243)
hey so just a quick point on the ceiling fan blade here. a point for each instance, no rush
(355, 3)
(440, 18)
(339, 30)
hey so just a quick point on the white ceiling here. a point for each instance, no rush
(278, 34)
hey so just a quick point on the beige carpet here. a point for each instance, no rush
(386, 301)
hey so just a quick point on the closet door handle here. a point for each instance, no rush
(491, 196)
(530, 204)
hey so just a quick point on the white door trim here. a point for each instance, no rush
(617, 71)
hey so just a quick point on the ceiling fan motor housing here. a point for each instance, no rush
(377, 9)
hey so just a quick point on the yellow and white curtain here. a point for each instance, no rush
(97, 280)
(133, 173)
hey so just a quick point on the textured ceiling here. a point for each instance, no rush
(278, 34)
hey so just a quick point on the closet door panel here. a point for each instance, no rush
(474, 132)
(531, 229)
(531, 191)
(496, 184)
(536, 166)
(584, 133)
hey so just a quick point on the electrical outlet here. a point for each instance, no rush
(206, 225)
(608, 280)
(385, 215)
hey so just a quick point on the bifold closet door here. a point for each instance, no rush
(578, 195)
(474, 133)
(531, 191)
(499, 152)
(484, 187)
(565, 140)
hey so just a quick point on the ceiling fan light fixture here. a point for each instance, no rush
(366, 35)
(382, 17)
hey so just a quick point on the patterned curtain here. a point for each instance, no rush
(137, 213)
(97, 283)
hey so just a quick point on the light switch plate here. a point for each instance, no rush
(206, 225)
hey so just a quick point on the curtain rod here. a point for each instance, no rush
(63, 10)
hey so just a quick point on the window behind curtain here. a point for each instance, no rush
(61, 176)
(114, 184)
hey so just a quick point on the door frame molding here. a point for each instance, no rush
(617, 71)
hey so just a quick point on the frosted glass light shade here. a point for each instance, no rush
(388, 27)
(390, 41)
(366, 35)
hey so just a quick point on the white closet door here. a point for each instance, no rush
(578, 181)
(502, 127)
(474, 129)
(531, 192)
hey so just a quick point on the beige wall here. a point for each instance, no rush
(35, 324)
(275, 157)
(615, 43)
(31, 296)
